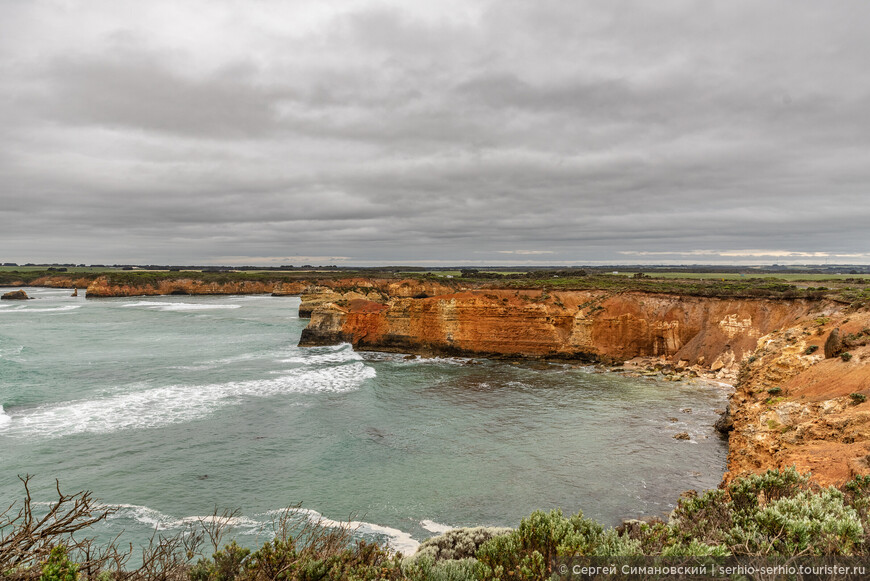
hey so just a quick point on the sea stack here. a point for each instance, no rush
(18, 295)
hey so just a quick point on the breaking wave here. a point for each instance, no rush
(398, 540)
(176, 403)
(264, 524)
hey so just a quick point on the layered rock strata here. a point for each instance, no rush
(577, 325)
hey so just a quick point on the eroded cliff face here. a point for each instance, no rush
(586, 325)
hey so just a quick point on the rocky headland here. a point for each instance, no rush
(792, 404)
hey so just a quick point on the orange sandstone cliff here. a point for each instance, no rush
(791, 406)
(585, 325)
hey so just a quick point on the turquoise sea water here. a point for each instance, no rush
(169, 407)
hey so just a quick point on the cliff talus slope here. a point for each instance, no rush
(793, 406)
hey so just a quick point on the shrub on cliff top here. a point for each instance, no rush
(751, 491)
(528, 552)
(459, 543)
(807, 523)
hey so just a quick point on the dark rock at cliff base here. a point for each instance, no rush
(724, 424)
(18, 295)
(311, 338)
(833, 345)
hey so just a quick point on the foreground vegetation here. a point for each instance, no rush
(778, 513)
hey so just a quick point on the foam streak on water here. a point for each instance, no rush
(262, 525)
(25, 309)
(155, 407)
(163, 306)
(397, 539)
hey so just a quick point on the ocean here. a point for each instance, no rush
(169, 408)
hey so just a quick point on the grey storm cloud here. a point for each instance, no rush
(461, 132)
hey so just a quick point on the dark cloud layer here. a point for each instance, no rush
(466, 132)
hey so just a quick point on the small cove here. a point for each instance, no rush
(168, 407)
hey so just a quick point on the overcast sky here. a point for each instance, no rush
(453, 132)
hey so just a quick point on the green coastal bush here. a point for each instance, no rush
(58, 567)
(775, 514)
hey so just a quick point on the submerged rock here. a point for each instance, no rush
(682, 436)
(18, 295)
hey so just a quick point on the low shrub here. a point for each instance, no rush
(777, 513)
(58, 567)
(807, 523)
(459, 543)
(529, 551)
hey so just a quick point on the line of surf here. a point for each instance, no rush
(264, 524)
(172, 404)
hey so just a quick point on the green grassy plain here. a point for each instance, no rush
(738, 276)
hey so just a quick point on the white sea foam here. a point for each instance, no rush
(4, 418)
(403, 359)
(26, 309)
(157, 520)
(398, 540)
(434, 527)
(176, 403)
(167, 306)
(260, 524)
(332, 356)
